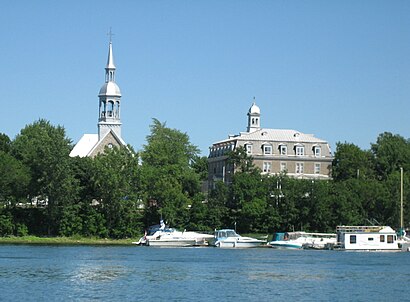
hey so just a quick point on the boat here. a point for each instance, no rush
(367, 238)
(303, 240)
(228, 238)
(161, 235)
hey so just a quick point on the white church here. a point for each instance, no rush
(109, 122)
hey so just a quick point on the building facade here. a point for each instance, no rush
(109, 122)
(274, 151)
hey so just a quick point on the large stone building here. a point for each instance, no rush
(109, 122)
(274, 151)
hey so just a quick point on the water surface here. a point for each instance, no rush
(95, 273)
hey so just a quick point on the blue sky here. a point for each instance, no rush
(337, 69)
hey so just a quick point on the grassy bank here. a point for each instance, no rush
(64, 241)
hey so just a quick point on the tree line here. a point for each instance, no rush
(120, 192)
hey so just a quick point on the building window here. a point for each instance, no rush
(317, 168)
(283, 150)
(283, 167)
(299, 168)
(317, 151)
(300, 150)
(267, 149)
(248, 149)
(267, 166)
(381, 238)
(352, 239)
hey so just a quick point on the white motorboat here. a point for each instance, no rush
(367, 238)
(161, 235)
(303, 240)
(228, 238)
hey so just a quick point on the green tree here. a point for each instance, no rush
(14, 180)
(247, 200)
(352, 162)
(5, 143)
(391, 152)
(118, 190)
(217, 211)
(170, 180)
(200, 166)
(241, 160)
(45, 149)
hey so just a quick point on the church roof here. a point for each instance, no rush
(84, 145)
(89, 143)
(276, 135)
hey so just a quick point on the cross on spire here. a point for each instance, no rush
(110, 34)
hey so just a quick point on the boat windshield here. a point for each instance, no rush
(152, 230)
(226, 233)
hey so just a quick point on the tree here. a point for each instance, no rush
(45, 149)
(391, 152)
(5, 143)
(217, 211)
(241, 160)
(14, 179)
(352, 162)
(118, 189)
(170, 180)
(200, 166)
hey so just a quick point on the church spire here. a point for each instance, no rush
(110, 99)
(110, 68)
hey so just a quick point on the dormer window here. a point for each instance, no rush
(317, 151)
(299, 150)
(267, 149)
(283, 150)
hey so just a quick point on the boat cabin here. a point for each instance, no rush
(367, 238)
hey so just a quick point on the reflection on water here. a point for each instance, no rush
(203, 274)
(89, 273)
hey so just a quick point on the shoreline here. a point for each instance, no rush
(33, 240)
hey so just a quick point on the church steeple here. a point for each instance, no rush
(109, 100)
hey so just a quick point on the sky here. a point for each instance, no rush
(337, 69)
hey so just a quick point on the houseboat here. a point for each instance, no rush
(367, 238)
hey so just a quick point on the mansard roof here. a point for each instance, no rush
(274, 135)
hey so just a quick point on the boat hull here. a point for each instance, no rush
(172, 242)
(286, 245)
(238, 243)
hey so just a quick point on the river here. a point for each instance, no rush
(131, 273)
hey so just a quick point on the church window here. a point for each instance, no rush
(248, 149)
